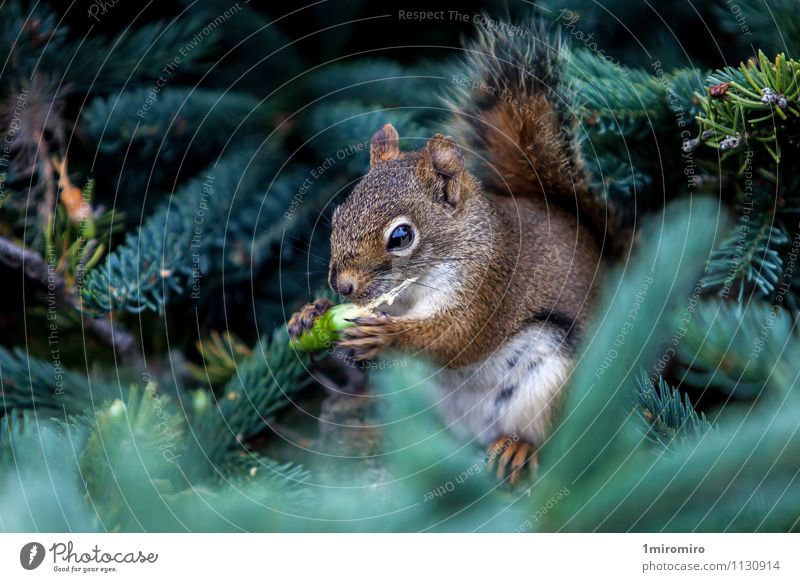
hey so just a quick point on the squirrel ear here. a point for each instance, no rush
(384, 145)
(443, 162)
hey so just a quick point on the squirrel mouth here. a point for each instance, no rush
(395, 306)
(370, 293)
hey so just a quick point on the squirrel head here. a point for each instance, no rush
(403, 218)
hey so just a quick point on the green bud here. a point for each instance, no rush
(327, 327)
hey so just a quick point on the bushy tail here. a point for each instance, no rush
(512, 108)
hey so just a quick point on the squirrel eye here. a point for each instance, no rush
(402, 236)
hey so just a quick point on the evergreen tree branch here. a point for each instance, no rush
(37, 269)
(668, 417)
(264, 384)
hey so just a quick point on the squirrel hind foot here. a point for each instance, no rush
(512, 459)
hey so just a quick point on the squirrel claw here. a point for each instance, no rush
(369, 336)
(304, 319)
(512, 459)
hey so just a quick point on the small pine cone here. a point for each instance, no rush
(719, 91)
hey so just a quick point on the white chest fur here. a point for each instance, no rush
(433, 293)
(513, 392)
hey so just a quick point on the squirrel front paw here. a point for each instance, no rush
(512, 459)
(304, 319)
(369, 336)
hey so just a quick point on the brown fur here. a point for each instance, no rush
(528, 152)
(515, 257)
(520, 123)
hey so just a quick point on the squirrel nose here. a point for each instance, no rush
(345, 287)
(343, 283)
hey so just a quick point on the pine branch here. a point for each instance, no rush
(771, 26)
(166, 47)
(743, 480)
(244, 469)
(26, 32)
(618, 106)
(594, 433)
(263, 385)
(38, 40)
(221, 354)
(341, 131)
(749, 259)
(30, 383)
(755, 105)
(166, 125)
(136, 466)
(628, 104)
(668, 418)
(382, 83)
(193, 238)
(28, 500)
(266, 59)
(738, 348)
(37, 269)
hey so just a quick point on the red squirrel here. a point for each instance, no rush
(505, 270)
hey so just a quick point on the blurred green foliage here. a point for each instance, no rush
(213, 179)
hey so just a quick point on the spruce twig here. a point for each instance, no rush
(37, 269)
